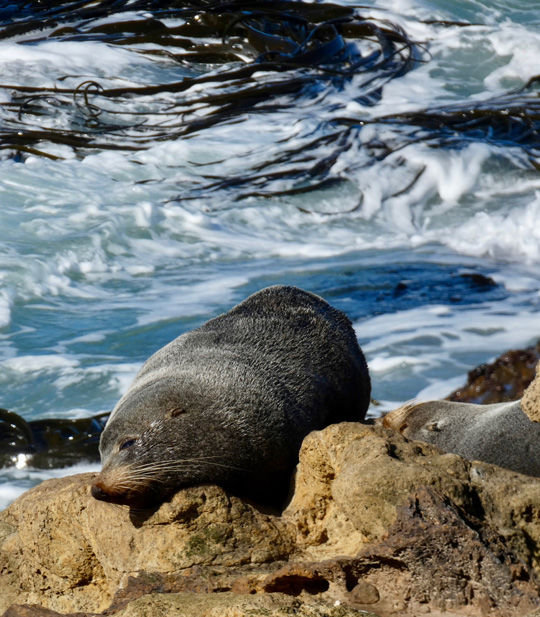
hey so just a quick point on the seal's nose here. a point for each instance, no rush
(99, 493)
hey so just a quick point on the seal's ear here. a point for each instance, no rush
(177, 411)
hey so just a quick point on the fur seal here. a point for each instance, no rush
(230, 402)
(501, 433)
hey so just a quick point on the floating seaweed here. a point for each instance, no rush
(261, 56)
(241, 58)
(49, 443)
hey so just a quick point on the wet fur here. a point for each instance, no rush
(230, 402)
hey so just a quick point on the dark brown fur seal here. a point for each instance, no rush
(500, 434)
(230, 402)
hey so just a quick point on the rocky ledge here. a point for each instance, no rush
(376, 525)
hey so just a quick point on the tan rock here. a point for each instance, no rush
(530, 403)
(350, 479)
(364, 472)
(212, 605)
(439, 556)
(234, 605)
(68, 552)
(351, 534)
(44, 552)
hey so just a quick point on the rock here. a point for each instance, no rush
(30, 610)
(530, 403)
(437, 554)
(49, 443)
(212, 605)
(62, 549)
(233, 605)
(503, 380)
(376, 523)
(44, 551)
(350, 479)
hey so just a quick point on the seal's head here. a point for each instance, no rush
(154, 444)
(415, 417)
(437, 422)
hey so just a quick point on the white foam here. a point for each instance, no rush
(194, 298)
(45, 62)
(440, 389)
(9, 491)
(453, 173)
(518, 46)
(45, 362)
(5, 308)
(14, 482)
(514, 236)
(383, 364)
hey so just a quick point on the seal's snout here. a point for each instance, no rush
(99, 493)
(114, 489)
(399, 418)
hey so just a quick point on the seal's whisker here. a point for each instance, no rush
(152, 472)
(174, 465)
(205, 462)
(171, 464)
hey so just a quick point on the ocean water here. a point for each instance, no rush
(111, 249)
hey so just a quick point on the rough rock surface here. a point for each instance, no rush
(503, 380)
(211, 605)
(63, 549)
(376, 523)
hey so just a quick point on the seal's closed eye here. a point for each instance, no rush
(127, 444)
(177, 412)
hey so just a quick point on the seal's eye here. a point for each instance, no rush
(177, 411)
(127, 444)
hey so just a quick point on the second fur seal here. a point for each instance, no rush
(501, 434)
(230, 402)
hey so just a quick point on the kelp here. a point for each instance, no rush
(506, 122)
(49, 443)
(509, 120)
(238, 59)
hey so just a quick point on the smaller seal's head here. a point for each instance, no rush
(399, 418)
(419, 420)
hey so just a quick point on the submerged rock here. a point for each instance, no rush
(503, 380)
(376, 523)
(49, 443)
